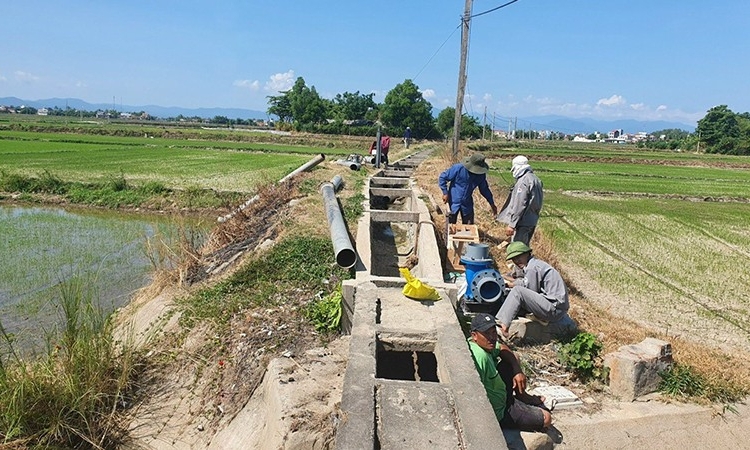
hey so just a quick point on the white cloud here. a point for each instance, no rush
(638, 106)
(661, 108)
(428, 94)
(2, 78)
(280, 82)
(25, 76)
(81, 84)
(247, 84)
(614, 100)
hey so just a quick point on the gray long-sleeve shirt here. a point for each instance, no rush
(542, 278)
(524, 202)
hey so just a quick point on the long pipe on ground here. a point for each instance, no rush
(308, 165)
(342, 246)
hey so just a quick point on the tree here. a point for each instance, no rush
(301, 105)
(404, 107)
(470, 128)
(718, 129)
(306, 105)
(348, 106)
(281, 107)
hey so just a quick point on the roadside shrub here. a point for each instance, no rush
(581, 356)
(50, 184)
(681, 381)
(117, 183)
(685, 382)
(153, 188)
(11, 182)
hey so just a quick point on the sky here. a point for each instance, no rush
(667, 60)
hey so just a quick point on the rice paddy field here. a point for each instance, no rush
(43, 247)
(178, 163)
(660, 238)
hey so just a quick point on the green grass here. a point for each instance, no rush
(303, 265)
(185, 160)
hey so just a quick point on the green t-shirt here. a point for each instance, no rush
(485, 363)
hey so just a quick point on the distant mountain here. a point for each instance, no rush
(587, 125)
(554, 123)
(154, 110)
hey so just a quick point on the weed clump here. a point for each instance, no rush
(68, 397)
(582, 357)
(325, 313)
(686, 382)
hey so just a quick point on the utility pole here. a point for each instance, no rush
(484, 122)
(492, 130)
(461, 77)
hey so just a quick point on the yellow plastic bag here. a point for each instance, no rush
(417, 290)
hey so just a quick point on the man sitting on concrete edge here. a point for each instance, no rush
(504, 380)
(541, 291)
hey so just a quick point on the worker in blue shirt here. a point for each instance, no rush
(458, 183)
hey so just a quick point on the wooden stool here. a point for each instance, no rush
(458, 235)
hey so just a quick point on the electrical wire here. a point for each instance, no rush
(436, 52)
(493, 9)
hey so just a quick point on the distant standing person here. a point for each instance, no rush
(407, 137)
(385, 144)
(524, 203)
(458, 183)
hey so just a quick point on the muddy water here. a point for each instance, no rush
(41, 248)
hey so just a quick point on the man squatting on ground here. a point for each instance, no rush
(504, 380)
(541, 291)
(458, 183)
(524, 203)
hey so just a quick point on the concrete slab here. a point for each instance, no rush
(405, 410)
(563, 398)
(398, 312)
(653, 424)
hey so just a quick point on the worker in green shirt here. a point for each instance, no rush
(504, 380)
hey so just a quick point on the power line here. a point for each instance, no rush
(436, 52)
(494, 9)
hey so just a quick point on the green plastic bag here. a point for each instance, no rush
(417, 290)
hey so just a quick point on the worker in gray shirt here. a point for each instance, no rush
(524, 203)
(541, 291)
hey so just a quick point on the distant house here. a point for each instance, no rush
(42, 111)
(614, 134)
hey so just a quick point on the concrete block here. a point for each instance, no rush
(348, 291)
(524, 440)
(542, 333)
(562, 397)
(634, 369)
